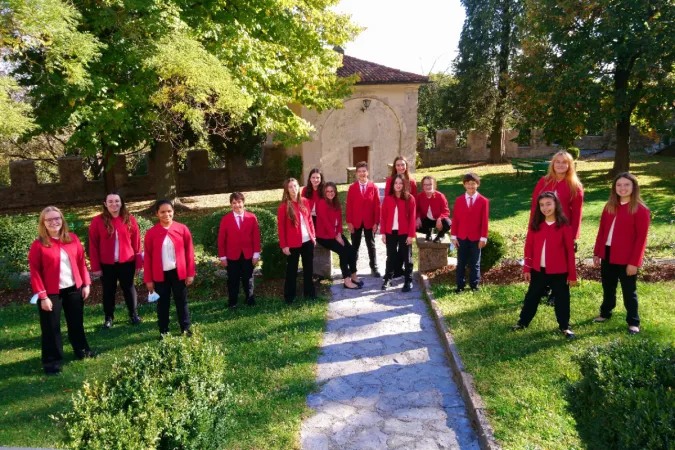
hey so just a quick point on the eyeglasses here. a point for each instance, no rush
(54, 220)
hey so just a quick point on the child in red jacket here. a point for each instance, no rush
(313, 191)
(469, 231)
(363, 213)
(401, 167)
(620, 247)
(239, 249)
(549, 260)
(432, 210)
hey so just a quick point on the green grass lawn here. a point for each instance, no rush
(523, 376)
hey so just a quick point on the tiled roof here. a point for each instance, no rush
(372, 73)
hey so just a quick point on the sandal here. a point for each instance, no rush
(633, 330)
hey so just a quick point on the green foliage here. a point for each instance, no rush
(436, 109)
(493, 252)
(293, 166)
(626, 397)
(16, 116)
(17, 233)
(574, 151)
(167, 395)
(274, 261)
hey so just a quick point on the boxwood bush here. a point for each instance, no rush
(574, 151)
(169, 395)
(17, 233)
(493, 252)
(626, 396)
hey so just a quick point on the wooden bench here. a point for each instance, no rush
(530, 165)
(432, 255)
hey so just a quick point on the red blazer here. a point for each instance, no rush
(570, 207)
(289, 235)
(413, 187)
(312, 201)
(559, 250)
(232, 241)
(438, 203)
(45, 265)
(326, 218)
(102, 243)
(471, 224)
(406, 225)
(363, 209)
(185, 252)
(629, 239)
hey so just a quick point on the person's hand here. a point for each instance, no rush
(455, 242)
(384, 238)
(409, 241)
(572, 282)
(418, 223)
(596, 261)
(223, 263)
(527, 276)
(350, 227)
(98, 273)
(189, 280)
(151, 286)
(482, 244)
(138, 270)
(631, 270)
(338, 238)
(375, 228)
(255, 261)
(85, 292)
(46, 304)
(439, 224)
(286, 251)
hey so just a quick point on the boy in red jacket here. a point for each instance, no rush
(239, 249)
(363, 213)
(469, 231)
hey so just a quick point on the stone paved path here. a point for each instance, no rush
(386, 383)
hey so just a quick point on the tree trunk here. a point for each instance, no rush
(165, 171)
(109, 183)
(622, 157)
(498, 134)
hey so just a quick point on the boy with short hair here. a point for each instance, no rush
(239, 249)
(469, 231)
(363, 213)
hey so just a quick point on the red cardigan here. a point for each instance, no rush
(629, 239)
(406, 225)
(291, 236)
(312, 201)
(45, 265)
(438, 203)
(363, 209)
(570, 207)
(185, 252)
(102, 243)
(413, 187)
(559, 250)
(233, 241)
(471, 224)
(326, 219)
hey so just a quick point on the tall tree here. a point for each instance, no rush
(598, 63)
(487, 45)
(436, 107)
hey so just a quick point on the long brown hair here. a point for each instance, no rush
(286, 198)
(407, 168)
(309, 187)
(43, 234)
(124, 214)
(635, 199)
(539, 217)
(405, 192)
(570, 177)
(335, 203)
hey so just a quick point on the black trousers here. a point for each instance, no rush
(164, 289)
(611, 275)
(398, 253)
(239, 271)
(561, 290)
(124, 273)
(370, 244)
(70, 300)
(345, 252)
(468, 252)
(428, 225)
(307, 254)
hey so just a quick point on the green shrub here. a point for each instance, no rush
(17, 233)
(294, 167)
(575, 152)
(169, 395)
(274, 261)
(493, 252)
(626, 396)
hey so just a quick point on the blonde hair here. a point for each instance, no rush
(286, 198)
(571, 175)
(43, 234)
(635, 199)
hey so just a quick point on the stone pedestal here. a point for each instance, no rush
(432, 255)
(323, 262)
(351, 175)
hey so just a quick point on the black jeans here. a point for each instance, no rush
(307, 254)
(428, 225)
(561, 290)
(611, 275)
(172, 284)
(468, 252)
(370, 244)
(345, 252)
(70, 300)
(398, 253)
(124, 273)
(239, 271)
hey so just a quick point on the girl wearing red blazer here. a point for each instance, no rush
(313, 191)
(169, 266)
(60, 279)
(432, 210)
(329, 235)
(239, 249)
(115, 255)
(398, 231)
(296, 239)
(620, 247)
(549, 261)
(363, 214)
(400, 167)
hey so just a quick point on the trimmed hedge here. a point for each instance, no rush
(575, 152)
(17, 233)
(626, 396)
(169, 395)
(493, 252)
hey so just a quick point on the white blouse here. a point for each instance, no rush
(394, 226)
(168, 254)
(66, 278)
(303, 229)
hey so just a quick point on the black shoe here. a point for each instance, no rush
(187, 333)
(517, 327)
(162, 336)
(135, 320)
(375, 273)
(386, 284)
(428, 237)
(232, 307)
(459, 290)
(475, 289)
(356, 286)
(87, 354)
(360, 282)
(568, 334)
(108, 323)
(437, 239)
(398, 274)
(407, 286)
(289, 300)
(53, 372)
(251, 301)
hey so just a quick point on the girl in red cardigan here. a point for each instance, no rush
(400, 167)
(549, 261)
(398, 231)
(313, 191)
(115, 255)
(60, 279)
(169, 266)
(432, 210)
(329, 235)
(620, 247)
(296, 239)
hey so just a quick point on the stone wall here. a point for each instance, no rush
(74, 188)
(607, 141)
